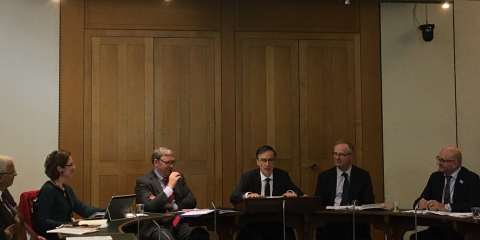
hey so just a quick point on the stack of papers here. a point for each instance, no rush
(451, 214)
(363, 207)
(72, 231)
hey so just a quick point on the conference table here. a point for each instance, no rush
(393, 224)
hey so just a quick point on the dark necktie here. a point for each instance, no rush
(344, 201)
(165, 181)
(446, 195)
(7, 203)
(267, 188)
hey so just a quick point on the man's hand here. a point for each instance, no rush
(422, 204)
(254, 195)
(173, 178)
(433, 205)
(41, 238)
(289, 194)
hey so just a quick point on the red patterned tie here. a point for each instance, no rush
(446, 195)
(165, 181)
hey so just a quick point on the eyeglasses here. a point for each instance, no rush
(265, 160)
(69, 165)
(168, 163)
(8, 173)
(340, 154)
(441, 160)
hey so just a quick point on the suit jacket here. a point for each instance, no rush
(466, 192)
(6, 218)
(251, 182)
(149, 184)
(360, 187)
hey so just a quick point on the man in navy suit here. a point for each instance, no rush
(163, 190)
(452, 188)
(341, 185)
(264, 181)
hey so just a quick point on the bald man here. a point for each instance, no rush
(452, 188)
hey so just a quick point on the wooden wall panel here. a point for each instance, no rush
(327, 103)
(153, 14)
(121, 132)
(268, 103)
(296, 16)
(185, 85)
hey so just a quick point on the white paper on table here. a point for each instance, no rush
(97, 222)
(91, 238)
(198, 212)
(339, 207)
(73, 231)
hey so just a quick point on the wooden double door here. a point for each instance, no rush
(145, 89)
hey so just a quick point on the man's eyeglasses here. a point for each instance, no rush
(265, 160)
(8, 173)
(168, 163)
(340, 154)
(441, 160)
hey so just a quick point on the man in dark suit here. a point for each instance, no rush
(7, 175)
(265, 181)
(452, 188)
(341, 185)
(163, 190)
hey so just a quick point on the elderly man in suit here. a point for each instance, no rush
(341, 185)
(163, 190)
(7, 175)
(266, 180)
(452, 188)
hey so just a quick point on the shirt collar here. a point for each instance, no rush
(262, 177)
(158, 175)
(455, 174)
(339, 172)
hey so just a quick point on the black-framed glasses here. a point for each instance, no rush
(441, 160)
(265, 160)
(69, 165)
(340, 154)
(173, 162)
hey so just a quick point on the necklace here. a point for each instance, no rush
(56, 184)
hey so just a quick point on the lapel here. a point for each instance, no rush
(332, 185)
(257, 181)
(458, 187)
(155, 182)
(278, 181)
(3, 209)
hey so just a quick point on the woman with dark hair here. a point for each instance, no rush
(56, 200)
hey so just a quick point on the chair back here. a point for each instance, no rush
(26, 206)
(17, 230)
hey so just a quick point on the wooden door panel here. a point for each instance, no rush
(120, 127)
(327, 100)
(267, 103)
(184, 99)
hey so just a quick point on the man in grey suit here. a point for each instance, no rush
(163, 190)
(341, 185)
(263, 182)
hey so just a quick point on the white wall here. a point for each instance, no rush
(29, 88)
(430, 93)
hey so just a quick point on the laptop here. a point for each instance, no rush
(117, 208)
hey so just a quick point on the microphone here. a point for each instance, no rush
(214, 219)
(354, 206)
(284, 234)
(138, 224)
(159, 232)
(416, 232)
